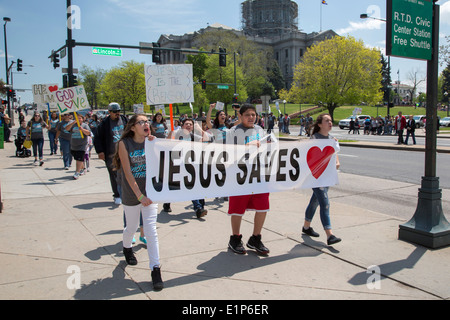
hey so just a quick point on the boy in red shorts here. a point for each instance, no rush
(247, 133)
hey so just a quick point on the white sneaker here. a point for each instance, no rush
(82, 172)
(117, 201)
(36, 162)
(76, 175)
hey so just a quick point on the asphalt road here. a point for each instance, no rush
(404, 166)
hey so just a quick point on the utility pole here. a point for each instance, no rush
(69, 44)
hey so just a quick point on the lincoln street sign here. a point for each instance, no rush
(107, 51)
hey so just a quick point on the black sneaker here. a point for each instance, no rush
(158, 284)
(201, 212)
(129, 256)
(254, 242)
(333, 239)
(310, 232)
(166, 207)
(236, 244)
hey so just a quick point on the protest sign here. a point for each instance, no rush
(71, 99)
(43, 95)
(168, 84)
(219, 106)
(138, 108)
(161, 109)
(184, 170)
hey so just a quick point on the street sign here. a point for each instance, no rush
(66, 70)
(107, 51)
(409, 29)
(146, 44)
(222, 87)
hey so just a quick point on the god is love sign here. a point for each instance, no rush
(184, 170)
(71, 99)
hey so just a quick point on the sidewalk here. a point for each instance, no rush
(52, 225)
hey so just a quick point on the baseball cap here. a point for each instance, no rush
(113, 106)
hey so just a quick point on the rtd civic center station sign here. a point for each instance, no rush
(409, 28)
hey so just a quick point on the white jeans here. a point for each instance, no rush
(149, 215)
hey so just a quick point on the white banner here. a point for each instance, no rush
(183, 170)
(169, 83)
(43, 94)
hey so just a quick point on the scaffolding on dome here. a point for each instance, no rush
(269, 18)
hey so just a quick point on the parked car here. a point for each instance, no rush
(445, 122)
(420, 120)
(345, 123)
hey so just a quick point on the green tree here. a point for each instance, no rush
(385, 78)
(338, 71)
(276, 77)
(216, 74)
(199, 65)
(125, 84)
(253, 59)
(91, 80)
(446, 84)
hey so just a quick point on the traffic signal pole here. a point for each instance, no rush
(69, 44)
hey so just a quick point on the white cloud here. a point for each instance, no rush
(369, 24)
(445, 13)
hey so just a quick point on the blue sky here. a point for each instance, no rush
(37, 27)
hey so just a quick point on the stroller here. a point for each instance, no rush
(21, 151)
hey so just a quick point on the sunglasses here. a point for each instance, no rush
(115, 111)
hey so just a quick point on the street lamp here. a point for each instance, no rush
(284, 101)
(365, 16)
(6, 19)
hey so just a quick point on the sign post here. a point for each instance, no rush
(413, 32)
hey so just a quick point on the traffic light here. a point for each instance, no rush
(12, 94)
(19, 65)
(74, 80)
(56, 60)
(222, 57)
(156, 56)
(203, 84)
(65, 80)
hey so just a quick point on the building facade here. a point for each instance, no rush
(269, 23)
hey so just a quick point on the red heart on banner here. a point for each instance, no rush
(318, 160)
(52, 88)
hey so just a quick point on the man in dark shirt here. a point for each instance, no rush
(411, 129)
(108, 134)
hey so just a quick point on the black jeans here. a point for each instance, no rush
(112, 176)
